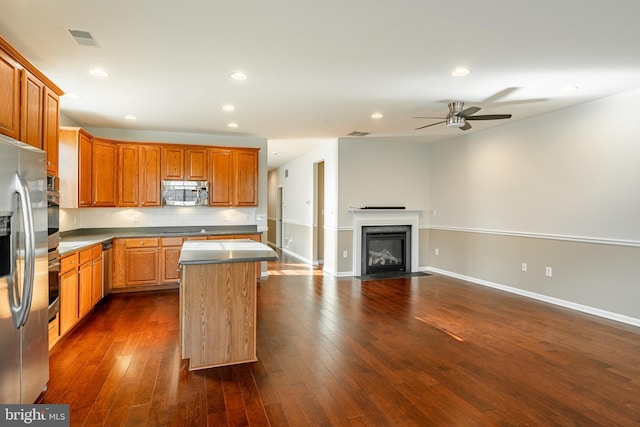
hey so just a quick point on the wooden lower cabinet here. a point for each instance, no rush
(96, 276)
(68, 300)
(135, 263)
(80, 277)
(84, 283)
(170, 248)
(151, 263)
(54, 331)
(218, 314)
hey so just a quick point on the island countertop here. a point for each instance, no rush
(225, 251)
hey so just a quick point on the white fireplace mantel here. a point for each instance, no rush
(373, 217)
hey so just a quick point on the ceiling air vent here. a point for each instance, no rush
(356, 133)
(82, 37)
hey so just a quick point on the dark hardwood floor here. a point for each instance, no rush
(421, 351)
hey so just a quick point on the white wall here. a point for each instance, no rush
(298, 203)
(374, 173)
(561, 190)
(574, 172)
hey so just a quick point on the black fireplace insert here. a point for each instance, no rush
(386, 249)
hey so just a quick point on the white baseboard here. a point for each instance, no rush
(551, 300)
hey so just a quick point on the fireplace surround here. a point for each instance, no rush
(384, 217)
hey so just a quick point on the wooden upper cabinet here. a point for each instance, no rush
(50, 129)
(129, 174)
(150, 175)
(196, 164)
(9, 96)
(246, 167)
(221, 182)
(189, 163)
(139, 175)
(103, 173)
(29, 104)
(31, 119)
(172, 162)
(234, 177)
(84, 171)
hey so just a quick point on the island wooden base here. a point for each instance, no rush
(218, 314)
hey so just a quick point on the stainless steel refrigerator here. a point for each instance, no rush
(24, 280)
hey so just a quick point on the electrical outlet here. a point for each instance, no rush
(548, 271)
(524, 266)
(437, 251)
(136, 219)
(345, 254)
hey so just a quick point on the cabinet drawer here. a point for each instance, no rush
(69, 263)
(85, 256)
(96, 251)
(171, 241)
(141, 243)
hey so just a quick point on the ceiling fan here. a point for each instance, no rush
(458, 117)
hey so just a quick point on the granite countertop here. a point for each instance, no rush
(72, 241)
(225, 251)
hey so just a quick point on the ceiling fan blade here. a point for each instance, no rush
(501, 94)
(468, 111)
(466, 126)
(432, 124)
(490, 117)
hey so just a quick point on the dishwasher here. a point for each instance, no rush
(107, 267)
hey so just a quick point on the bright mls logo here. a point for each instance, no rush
(36, 415)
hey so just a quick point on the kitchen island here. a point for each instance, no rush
(218, 301)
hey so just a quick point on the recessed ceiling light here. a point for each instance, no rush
(228, 107)
(238, 75)
(460, 72)
(130, 117)
(97, 72)
(232, 125)
(377, 116)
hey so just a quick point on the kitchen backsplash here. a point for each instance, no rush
(170, 216)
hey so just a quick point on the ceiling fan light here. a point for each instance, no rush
(455, 122)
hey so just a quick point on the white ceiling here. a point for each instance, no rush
(319, 69)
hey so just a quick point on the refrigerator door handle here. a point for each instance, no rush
(20, 309)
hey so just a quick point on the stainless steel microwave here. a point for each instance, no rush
(185, 193)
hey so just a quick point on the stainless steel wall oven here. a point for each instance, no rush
(53, 218)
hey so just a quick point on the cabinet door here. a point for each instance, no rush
(169, 267)
(103, 173)
(196, 164)
(96, 280)
(84, 286)
(32, 108)
(172, 162)
(246, 183)
(221, 182)
(50, 129)
(150, 175)
(129, 174)
(84, 171)
(68, 300)
(141, 266)
(9, 96)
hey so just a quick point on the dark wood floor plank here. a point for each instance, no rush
(418, 351)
